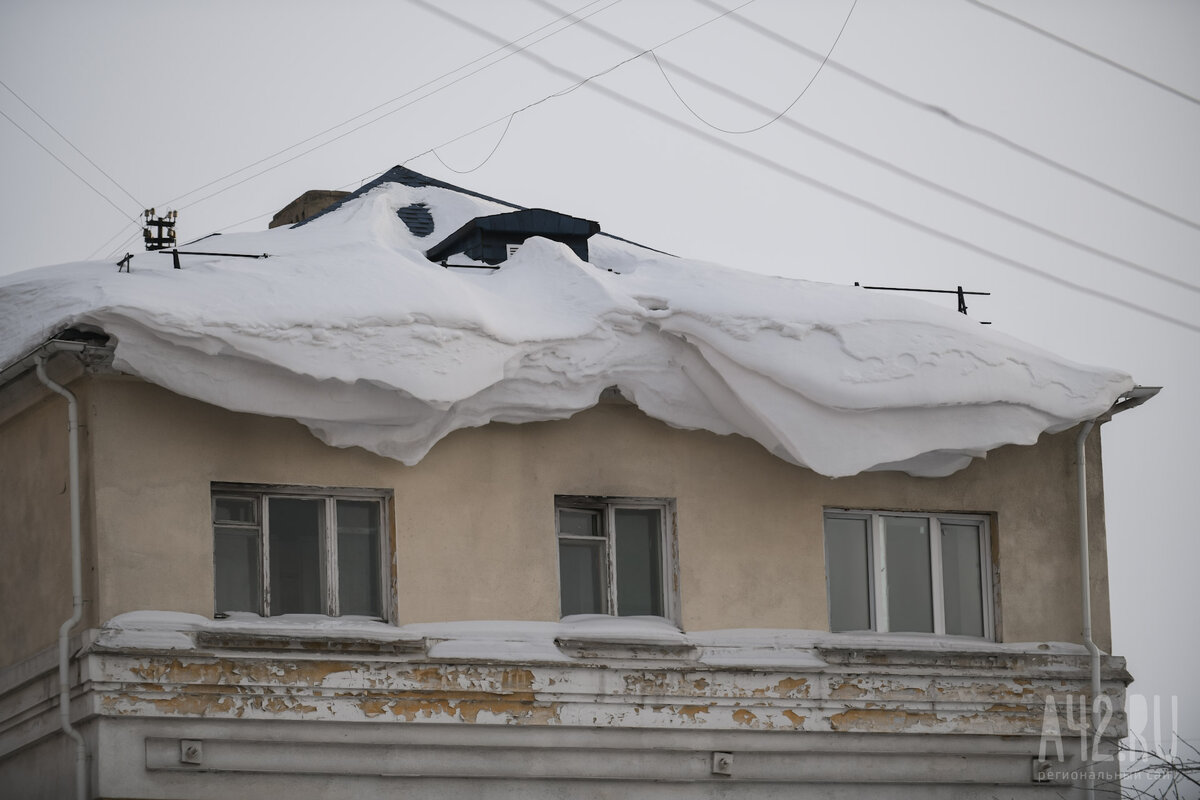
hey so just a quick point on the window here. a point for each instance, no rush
(926, 573)
(298, 551)
(615, 556)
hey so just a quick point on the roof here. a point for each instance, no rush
(404, 176)
(349, 329)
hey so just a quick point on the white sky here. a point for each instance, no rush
(167, 97)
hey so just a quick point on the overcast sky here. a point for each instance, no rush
(866, 178)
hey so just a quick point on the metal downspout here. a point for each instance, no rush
(1085, 576)
(64, 631)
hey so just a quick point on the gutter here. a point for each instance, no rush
(90, 352)
(1134, 397)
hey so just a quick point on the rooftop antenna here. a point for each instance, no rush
(158, 240)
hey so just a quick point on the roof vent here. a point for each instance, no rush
(489, 239)
(417, 218)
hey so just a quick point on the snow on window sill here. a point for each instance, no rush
(579, 637)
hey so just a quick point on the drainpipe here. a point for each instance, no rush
(1131, 399)
(1085, 577)
(64, 631)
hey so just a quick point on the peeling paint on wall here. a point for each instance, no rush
(858, 695)
(882, 720)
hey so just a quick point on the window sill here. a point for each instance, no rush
(151, 630)
(605, 636)
(912, 636)
(935, 643)
(248, 640)
(586, 639)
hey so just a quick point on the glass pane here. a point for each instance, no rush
(579, 522)
(909, 590)
(582, 577)
(295, 555)
(236, 570)
(639, 561)
(235, 509)
(847, 555)
(962, 582)
(358, 557)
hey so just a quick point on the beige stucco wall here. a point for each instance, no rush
(35, 517)
(474, 520)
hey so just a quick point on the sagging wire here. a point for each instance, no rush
(486, 158)
(775, 118)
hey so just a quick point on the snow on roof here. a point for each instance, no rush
(349, 329)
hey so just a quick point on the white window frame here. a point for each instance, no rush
(669, 573)
(260, 494)
(876, 555)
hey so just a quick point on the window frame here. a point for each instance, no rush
(608, 506)
(876, 555)
(260, 494)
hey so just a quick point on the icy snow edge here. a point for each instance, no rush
(350, 330)
(546, 642)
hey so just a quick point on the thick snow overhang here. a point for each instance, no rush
(351, 330)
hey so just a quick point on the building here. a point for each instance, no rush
(595, 521)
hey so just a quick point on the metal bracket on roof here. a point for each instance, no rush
(469, 266)
(962, 295)
(175, 254)
(124, 264)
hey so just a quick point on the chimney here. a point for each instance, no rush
(306, 206)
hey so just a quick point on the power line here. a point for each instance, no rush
(486, 159)
(1081, 49)
(68, 168)
(897, 170)
(820, 66)
(511, 115)
(92, 254)
(526, 107)
(953, 119)
(778, 167)
(580, 80)
(368, 111)
(116, 251)
(800, 177)
(394, 99)
(62, 136)
(360, 182)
